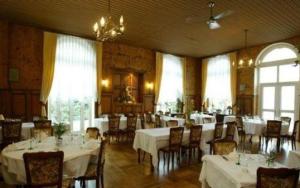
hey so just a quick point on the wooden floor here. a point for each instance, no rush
(123, 171)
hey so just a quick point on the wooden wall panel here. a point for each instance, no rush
(106, 103)
(19, 105)
(35, 104)
(148, 103)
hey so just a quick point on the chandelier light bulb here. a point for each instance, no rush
(96, 27)
(241, 62)
(122, 29)
(121, 20)
(250, 62)
(102, 21)
(113, 33)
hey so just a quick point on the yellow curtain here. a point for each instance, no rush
(99, 75)
(233, 76)
(158, 75)
(183, 62)
(49, 51)
(204, 78)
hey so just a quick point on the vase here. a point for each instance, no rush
(59, 141)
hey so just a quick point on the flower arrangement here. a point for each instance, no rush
(59, 129)
(271, 158)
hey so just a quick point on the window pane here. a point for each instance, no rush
(268, 74)
(268, 115)
(287, 97)
(279, 54)
(288, 73)
(268, 97)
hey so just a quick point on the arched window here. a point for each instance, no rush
(277, 81)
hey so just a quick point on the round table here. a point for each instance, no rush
(78, 153)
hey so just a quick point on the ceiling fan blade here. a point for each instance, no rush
(213, 25)
(223, 14)
(190, 20)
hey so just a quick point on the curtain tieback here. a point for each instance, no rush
(42, 103)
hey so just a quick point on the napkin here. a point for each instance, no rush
(233, 156)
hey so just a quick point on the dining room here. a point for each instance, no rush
(140, 94)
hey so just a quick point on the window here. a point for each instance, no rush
(280, 53)
(73, 90)
(218, 88)
(171, 88)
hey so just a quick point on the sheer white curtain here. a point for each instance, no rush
(218, 90)
(171, 84)
(73, 91)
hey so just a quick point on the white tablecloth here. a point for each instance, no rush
(25, 130)
(150, 140)
(76, 157)
(102, 124)
(199, 118)
(164, 120)
(257, 126)
(294, 159)
(230, 118)
(230, 175)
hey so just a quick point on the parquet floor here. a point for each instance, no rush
(123, 171)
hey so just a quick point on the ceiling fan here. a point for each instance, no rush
(212, 22)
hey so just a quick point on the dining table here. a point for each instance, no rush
(293, 160)
(235, 170)
(78, 150)
(198, 117)
(151, 140)
(25, 132)
(102, 124)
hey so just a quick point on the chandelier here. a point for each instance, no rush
(106, 28)
(246, 60)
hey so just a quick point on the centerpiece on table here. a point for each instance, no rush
(59, 130)
(271, 158)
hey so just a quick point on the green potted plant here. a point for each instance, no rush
(59, 130)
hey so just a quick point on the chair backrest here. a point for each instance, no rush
(35, 132)
(218, 132)
(277, 178)
(239, 123)
(160, 112)
(223, 147)
(273, 128)
(101, 156)
(42, 123)
(93, 132)
(175, 140)
(183, 116)
(195, 135)
(296, 125)
(285, 119)
(113, 123)
(131, 122)
(142, 118)
(148, 118)
(11, 131)
(219, 118)
(172, 123)
(157, 121)
(230, 130)
(167, 113)
(44, 168)
(207, 120)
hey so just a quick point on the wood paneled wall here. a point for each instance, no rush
(21, 48)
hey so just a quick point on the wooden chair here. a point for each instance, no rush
(230, 130)
(207, 120)
(157, 121)
(277, 178)
(148, 120)
(131, 127)
(93, 132)
(11, 132)
(241, 129)
(292, 137)
(45, 169)
(114, 128)
(194, 142)
(95, 171)
(220, 118)
(223, 147)
(273, 131)
(35, 132)
(142, 118)
(286, 120)
(172, 123)
(175, 142)
(218, 132)
(42, 123)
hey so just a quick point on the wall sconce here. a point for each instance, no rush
(149, 86)
(104, 83)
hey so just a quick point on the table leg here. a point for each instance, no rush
(139, 156)
(151, 165)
